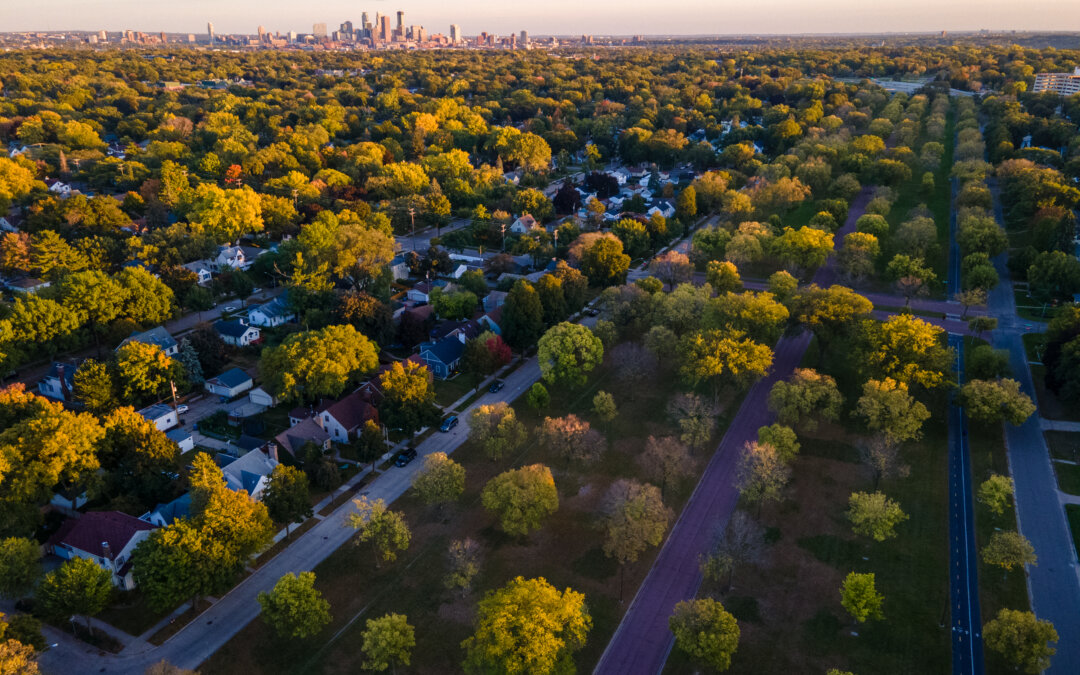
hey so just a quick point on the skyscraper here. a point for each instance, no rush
(455, 33)
(401, 22)
(524, 38)
(318, 30)
(210, 31)
(384, 29)
(364, 25)
(262, 33)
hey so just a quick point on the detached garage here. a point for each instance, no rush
(229, 384)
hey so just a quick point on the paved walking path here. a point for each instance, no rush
(1058, 425)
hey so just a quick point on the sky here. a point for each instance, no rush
(551, 17)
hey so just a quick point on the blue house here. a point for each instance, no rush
(442, 357)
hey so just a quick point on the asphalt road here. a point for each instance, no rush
(966, 619)
(200, 639)
(1053, 584)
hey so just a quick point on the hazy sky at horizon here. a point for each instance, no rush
(560, 17)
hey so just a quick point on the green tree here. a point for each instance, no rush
(521, 498)
(20, 567)
(496, 428)
(79, 586)
(888, 408)
(1021, 639)
(995, 492)
(804, 249)
(317, 363)
(723, 277)
(604, 262)
(294, 608)
(782, 438)
(716, 357)
(706, 632)
(604, 407)
(860, 597)
(1008, 550)
(907, 349)
(409, 399)
(567, 353)
(387, 641)
(538, 397)
(527, 626)
(523, 316)
(695, 416)
(147, 300)
(95, 387)
(805, 399)
(830, 313)
(385, 530)
(911, 276)
(226, 214)
(441, 481)
(287, 497)
(180, 563)
(874, 515)
(95, 297)
(143, 370)
(137, 456)
(993, 401)
(1054, 275)
(634, 519)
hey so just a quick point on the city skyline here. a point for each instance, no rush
(694, 17)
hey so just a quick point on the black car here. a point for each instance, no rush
(448, 424)
(592, 311)
(496, 386)
(405, 456)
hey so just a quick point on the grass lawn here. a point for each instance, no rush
(448, 391)
(1050, 406)
(998, 589)
(130, 613)
(1063, 445)
(1033, 345)
(789, 606)
(1072, 512)
(1068, 477)
(567, 551)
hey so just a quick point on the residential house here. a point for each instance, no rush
(182, 437)
(398, 267)
(494, 300)
(163, 416)
(27, 285)
(252, 253)
(163, 515)
(663, 207)
(59, 382)
(524, 224)
(229, 384)
(230, 257)
(492, 321)
(249, 473)
(155, 336)
(7, 226)
(443, 356)
(343, 419)
(203, 271)
(69, 500)
(272, 314)
(237, 333)
(421, 292)
(58, 187)
(293, 439)
(106, 537)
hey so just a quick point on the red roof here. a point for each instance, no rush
(352, 411)
(97, 527)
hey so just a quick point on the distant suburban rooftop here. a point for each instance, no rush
(232, 377)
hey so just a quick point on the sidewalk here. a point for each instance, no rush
(1058, 425)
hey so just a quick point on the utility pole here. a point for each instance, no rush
(412, 223)
(502, 243)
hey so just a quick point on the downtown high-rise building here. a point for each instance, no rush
(455, 33)
(384, 33)
(318, 30)
(364, 25)
(210, 31)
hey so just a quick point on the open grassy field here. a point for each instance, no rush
(567, 551)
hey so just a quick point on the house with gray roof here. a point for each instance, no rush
(162, 416)
(237, 333)
(276, 312)
(167, 514)
(443, 356)
(158, 337)
(229, 384)
(249, 473)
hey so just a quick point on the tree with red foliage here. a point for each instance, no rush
(484, 355)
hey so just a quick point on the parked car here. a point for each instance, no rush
(448, 424)
(230, 308)
(592, 311)
(496, 386)
(405, 456)
(181, 409)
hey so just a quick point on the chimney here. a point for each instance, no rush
(271, 451)
(106, 552)
(60, 368)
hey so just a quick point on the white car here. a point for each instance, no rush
(230, 308)
(181, 409)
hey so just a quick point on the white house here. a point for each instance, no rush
(202, 269)
(276, 312)
(663, 207)
(237, 333)
(163, 416)
(106, 537)
(27, 285)
(343, 419)
(249, 473)
(155, 336)
(230, 257)
(229, 384)
(398, 268)
(59, 188)
(7, 226)
(182, 437)
(524, 224)
(421, 292)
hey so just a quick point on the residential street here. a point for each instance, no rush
(201, 638)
